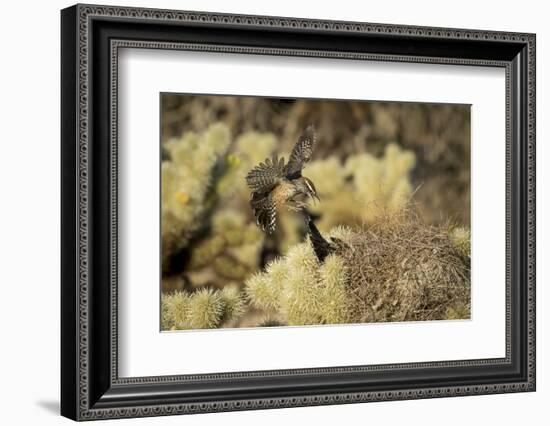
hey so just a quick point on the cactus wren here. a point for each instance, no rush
(275, 184)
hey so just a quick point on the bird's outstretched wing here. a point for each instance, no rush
(266, 175)
(301, 153)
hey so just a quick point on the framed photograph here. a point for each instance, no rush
(263, 212)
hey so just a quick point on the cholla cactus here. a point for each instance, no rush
(250, 148)
(336, 302)
(230, 251)
(186, 180)
(205, 308)
(300, 290)
(264, 289)
(396, 269)
(458, 311)
(461, 238)
(359, 190)
(384, 181)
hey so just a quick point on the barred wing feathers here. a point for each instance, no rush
(301, 154)
(265, 176)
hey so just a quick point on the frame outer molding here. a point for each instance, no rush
(76, 402)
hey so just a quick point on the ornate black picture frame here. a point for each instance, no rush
(91, 36)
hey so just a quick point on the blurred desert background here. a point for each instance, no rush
(394, 183)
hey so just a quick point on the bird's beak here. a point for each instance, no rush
(315, 197)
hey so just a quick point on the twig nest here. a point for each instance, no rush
(403, 270)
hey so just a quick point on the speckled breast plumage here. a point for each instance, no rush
(283, 193)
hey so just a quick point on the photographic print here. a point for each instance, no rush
(301, 212)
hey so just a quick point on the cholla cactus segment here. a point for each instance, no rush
(458, 311)
(397, 163)
(263, 290)
(205, 251)
(342, 232)
(366, 174)
(174, 311)
(205, 308)
(247, 253)
(229, 183)
(229, 224)
(400, 196)
(382, 183)
(234, 306)
(255, 147)
(336, 301)
(300, 298)
(232, 248)
(318, 171)
(228, 218)
(461, 238)
(228, 267)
